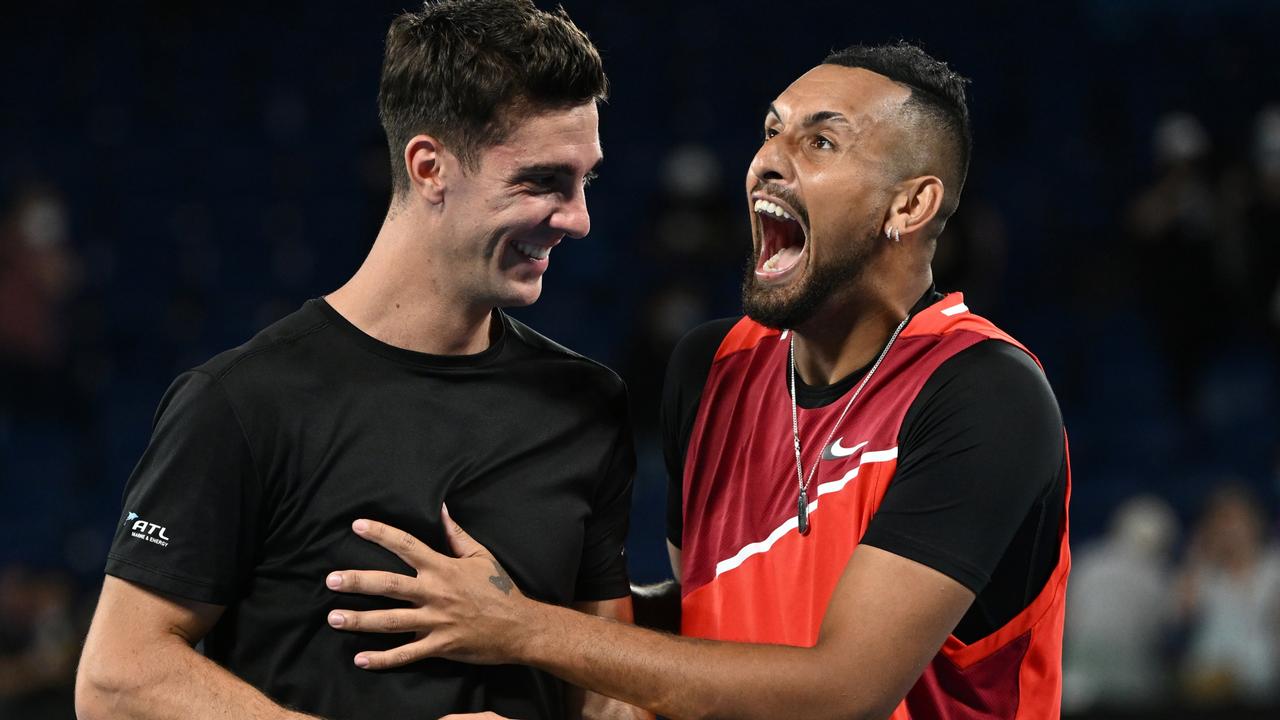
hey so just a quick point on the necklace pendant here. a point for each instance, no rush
(802, 511)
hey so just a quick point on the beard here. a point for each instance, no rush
(788, 307)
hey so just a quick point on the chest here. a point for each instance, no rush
(741, 481)
(517, 469)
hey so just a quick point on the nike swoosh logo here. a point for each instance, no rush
(835, 450)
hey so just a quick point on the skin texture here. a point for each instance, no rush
(828, 167)
(875, 641)
(829, 157)
(444, 258)
(441, 263)
(832, 143)
(139, 662)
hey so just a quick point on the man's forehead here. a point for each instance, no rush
(863, 97)
(567, 135)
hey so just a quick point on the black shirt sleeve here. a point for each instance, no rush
(602, 574)
(981, 465)
(191, 507)
(687, 373)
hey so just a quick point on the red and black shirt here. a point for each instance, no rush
(953, 457)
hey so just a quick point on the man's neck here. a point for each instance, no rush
(404, 297)
(848, 334)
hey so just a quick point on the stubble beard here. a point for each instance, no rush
(791, 306)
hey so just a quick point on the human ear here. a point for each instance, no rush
(425, 161)
(914, 206)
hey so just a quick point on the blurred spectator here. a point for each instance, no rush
(39, 644)
(1175, 225)
(696, 208)
(698, 243)
(1120, 611)
(38, 274)
(1263, 220)
(1231, 596)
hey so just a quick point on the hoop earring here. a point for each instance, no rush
(893, 234)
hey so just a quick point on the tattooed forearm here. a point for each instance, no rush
(501, 580)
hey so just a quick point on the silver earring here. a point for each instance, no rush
(888, 232)
(893, 234)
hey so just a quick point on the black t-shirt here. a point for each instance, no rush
(979, 488)
(261, 458)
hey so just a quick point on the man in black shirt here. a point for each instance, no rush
(404, 388)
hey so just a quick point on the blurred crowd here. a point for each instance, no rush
(1204, 231)
(1153, 622)
(1158, 617)
(42, 610)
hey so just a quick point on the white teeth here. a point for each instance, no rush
(537, 252)
(772, 263)
(771, 208)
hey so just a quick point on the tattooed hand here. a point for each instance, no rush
(500, 578)
(465, 608)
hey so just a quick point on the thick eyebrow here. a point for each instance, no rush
(814, 118)
(825, 116)
(557, 169)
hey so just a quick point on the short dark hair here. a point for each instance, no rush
(937, 99)
(462, 69)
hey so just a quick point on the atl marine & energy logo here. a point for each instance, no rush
(149, 531)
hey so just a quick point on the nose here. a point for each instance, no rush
(572, 218)
(768, 165)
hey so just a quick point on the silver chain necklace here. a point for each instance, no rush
(802, 499)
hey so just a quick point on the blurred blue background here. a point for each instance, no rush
(174, 176)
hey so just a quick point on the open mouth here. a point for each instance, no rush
(782, 239)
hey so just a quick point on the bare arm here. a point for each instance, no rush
(594, 706)
(887, 619)
(139, 661)
(877, 638)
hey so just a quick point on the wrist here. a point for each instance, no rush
(530, 621)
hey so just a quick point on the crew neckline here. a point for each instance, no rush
(814, 397)
(414, 357)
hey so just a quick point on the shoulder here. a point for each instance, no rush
(1271, 569)
(272, 344)
(991, 398)
(996, 369)
(989, 402)
(591, 374)
(690, 366)
(696, 351)
(287, 352)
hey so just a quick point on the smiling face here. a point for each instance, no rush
(819, 189)
(525, 196)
